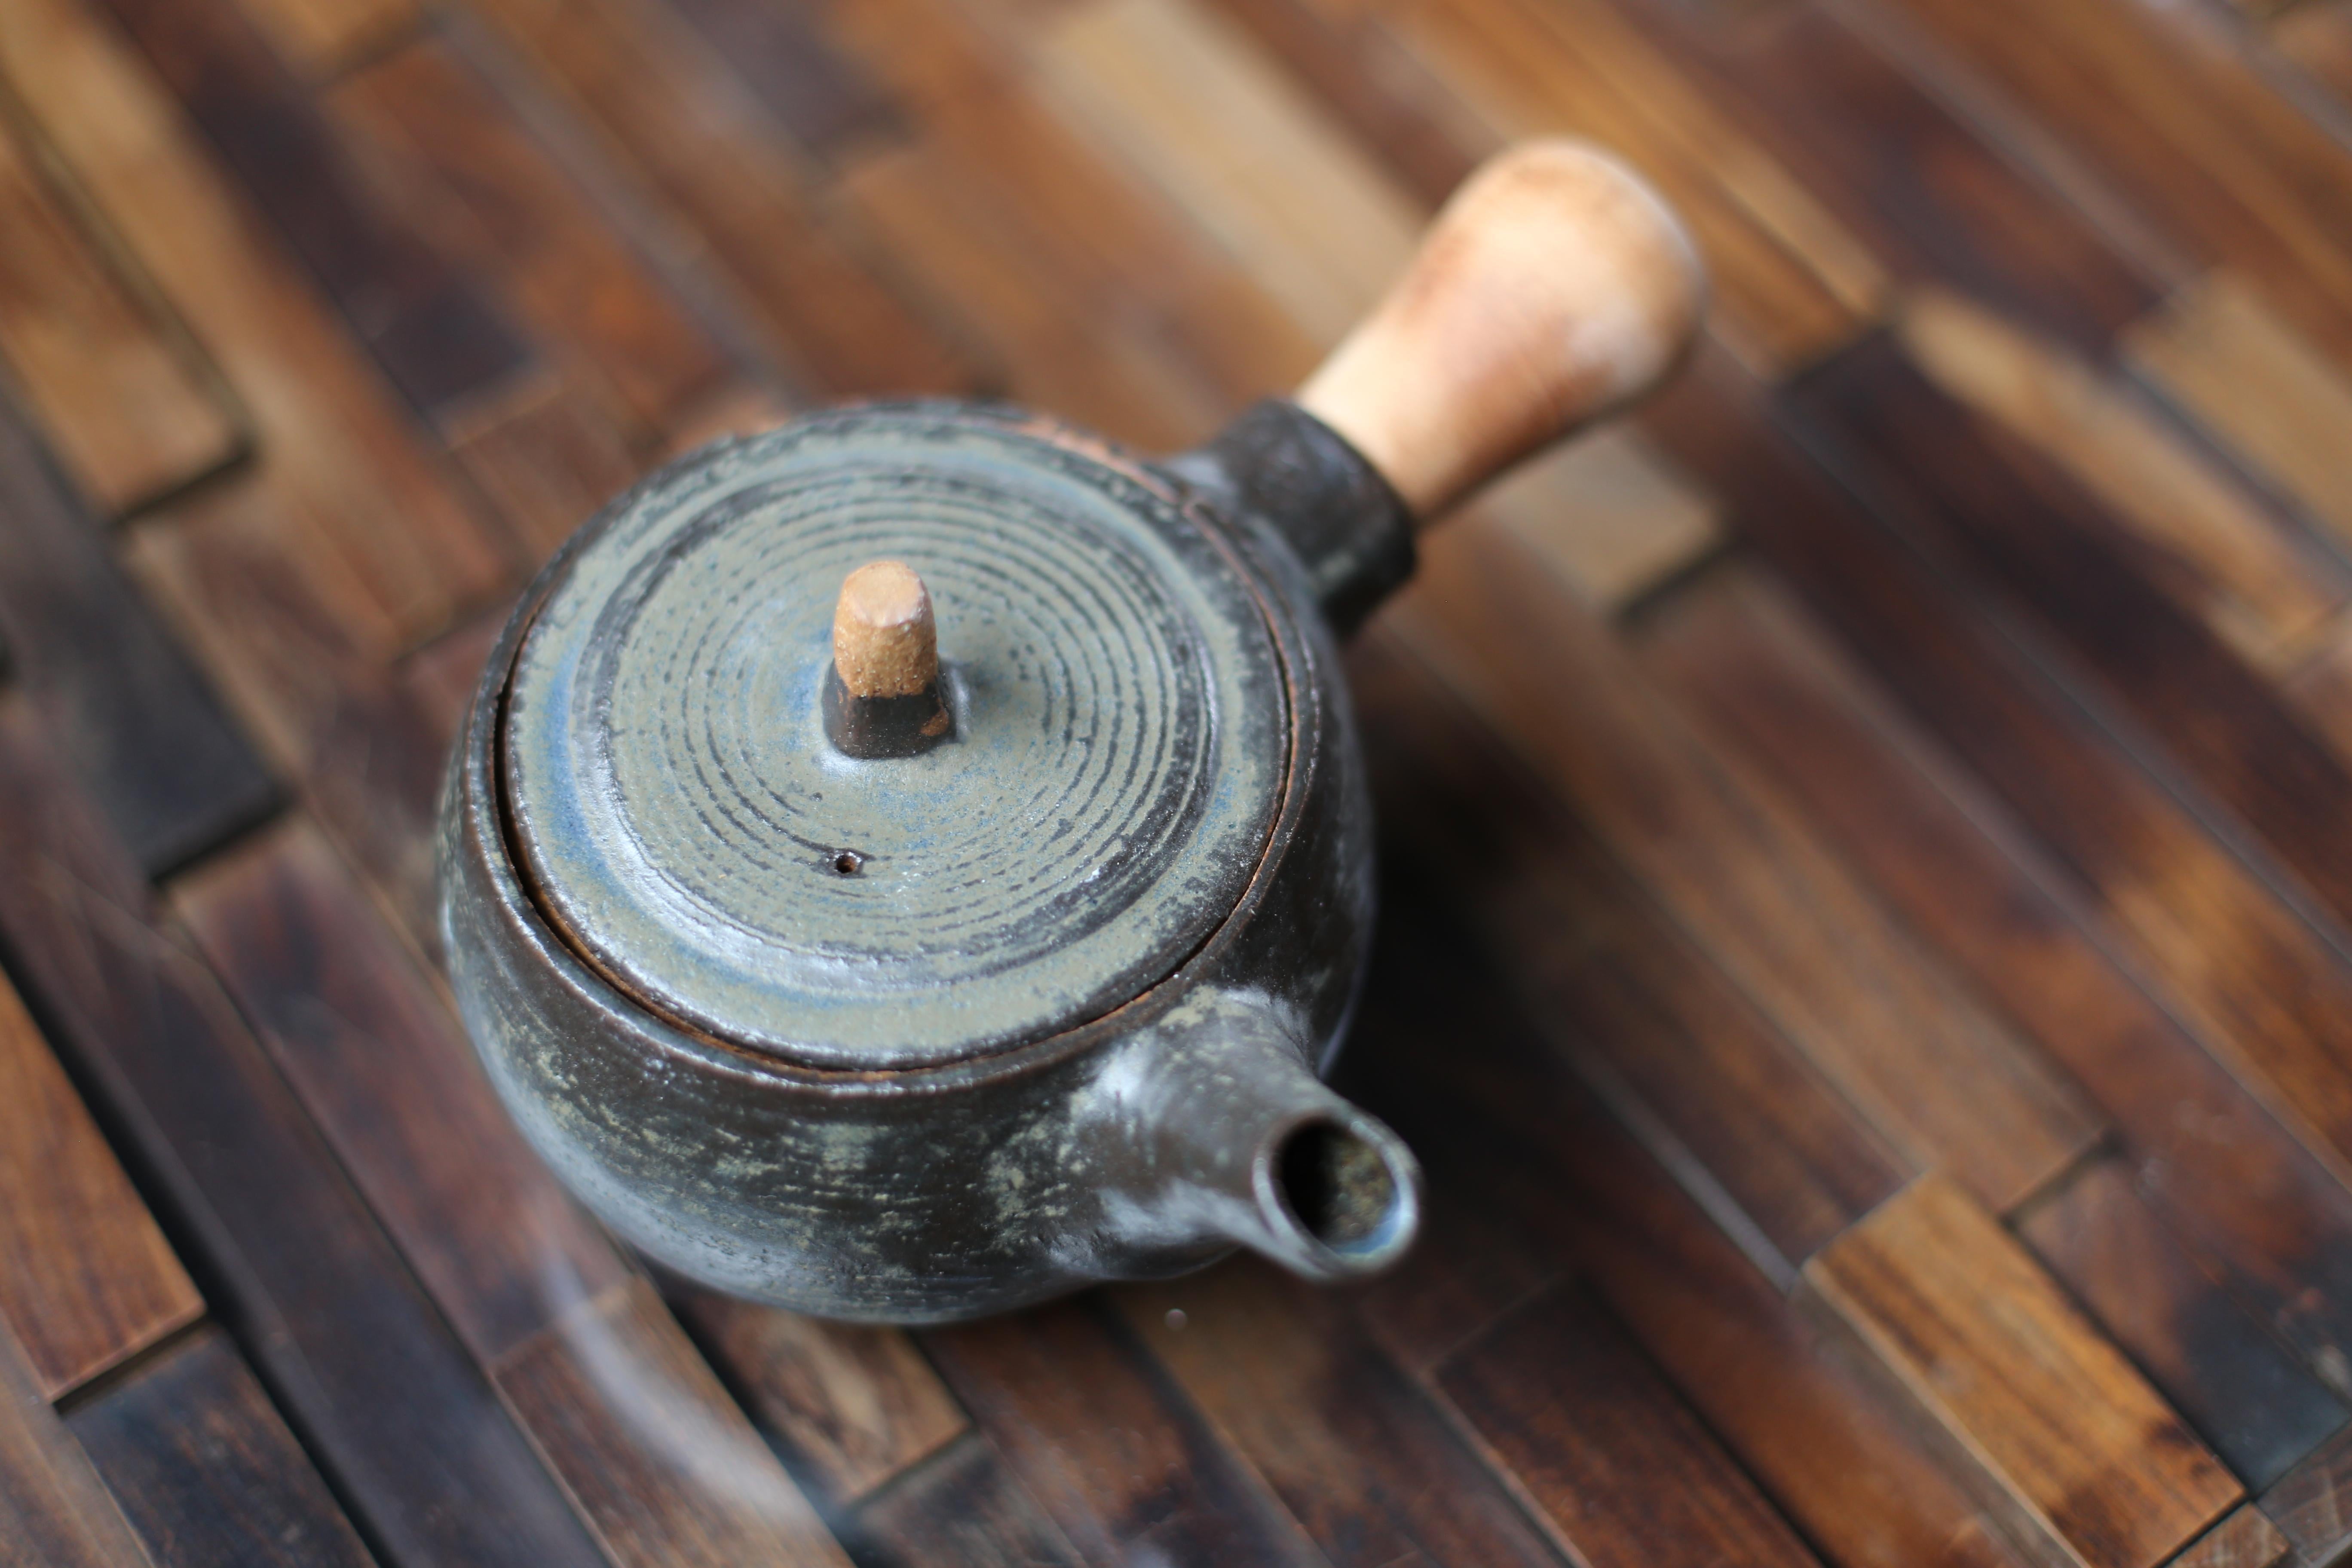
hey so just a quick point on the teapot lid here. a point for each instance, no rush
(1119, 747)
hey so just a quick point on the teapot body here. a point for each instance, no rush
(1084, 1040)
(1141, 1144)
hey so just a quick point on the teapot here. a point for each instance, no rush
(916, 861)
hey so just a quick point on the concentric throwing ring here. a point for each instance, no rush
(1119, 755)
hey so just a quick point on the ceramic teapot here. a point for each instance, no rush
(916, 861)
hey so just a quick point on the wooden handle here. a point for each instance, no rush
(1554, 289)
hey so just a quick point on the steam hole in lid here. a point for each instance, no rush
(848, 862)
(1335, 1184)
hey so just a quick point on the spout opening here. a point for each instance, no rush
(1349, 1193)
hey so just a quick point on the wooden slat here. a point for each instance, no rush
(673, 114)
(204, 1465)
(377, 777)
(2318, 38)
(1995, 1354)
(1945, 1080)
(537, 1292)
(2196, 532)
(1381, 91)
(744, 408)
(2221, 354)
(320, 37)
(2160, 106)
(1467, 1268)
(816, 92)
(855, 1406)
(381, 1066)
(1124, 1472)
(379, 530)
(2262, 986)
(1986, 504)
(1791, 282)
(375, 782)
(2321, 691)
(1610, 514)
(435, 330)
(2312, 1506)
(1622, 1470)
(1645, 1016)
(2247, 1538)
(1185, 98)
(1775, 689)
(1121, 260)
(54, 1510)
(141, 728)
(963, 1510)
(1934, 199)
(469, 171)
(1361, 1459)
(379, 1387)
(2260, 1410)
(125, 397)
(549, 455)
(1529, 1176)
(654, 1453)
(1062, 360)
(91, 1281)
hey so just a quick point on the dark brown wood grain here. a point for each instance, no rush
(1646, 1016)
(468, 171)
(856, 1405)
(129, 715)
(1368, 1466)
(365, 522)
(2153, 106)
(814, 90)
(1016, 213)
(436, 335)
(1123, 1469)
(2247, 1538)
(293, 1262)
(656, 1455)
(90, 1281)
(54, 1510)
(1892, 769)
(429, 324)
(131, 405)
(205, 1468)
(962, 1511)
(1530, 1174)
(1935, 196)
(1982, 501)
(2260, 1408)
(549, 455)
(1380, 89)
(2312, 1504)
(2264, 989)
(1996, 1355)
(1623, 1470)
(1945, 1080)
(698, 142)
(379, 1061)
(1740, 651)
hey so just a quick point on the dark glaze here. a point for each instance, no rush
(1145, 1142)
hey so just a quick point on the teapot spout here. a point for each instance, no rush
(1215, 1132)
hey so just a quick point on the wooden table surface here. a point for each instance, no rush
(1868, 951)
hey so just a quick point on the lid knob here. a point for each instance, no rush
(884, 699)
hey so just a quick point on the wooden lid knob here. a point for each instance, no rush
(885, 642)
(1555, 288)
